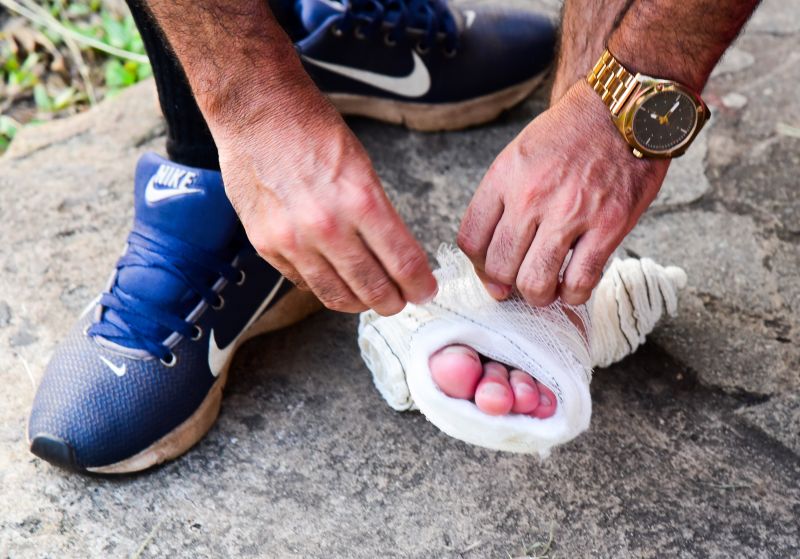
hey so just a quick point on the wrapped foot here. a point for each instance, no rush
(506, 375)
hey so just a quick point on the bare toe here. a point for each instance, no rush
(526, 393)
(493, 395)
(547, 402)
(456, 370)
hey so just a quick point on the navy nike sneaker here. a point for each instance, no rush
(419, 62)
(139, 378)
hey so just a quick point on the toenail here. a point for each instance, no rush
(496, 368)
(524, 388)
(545, 400)
(459, 350)
(494, 389)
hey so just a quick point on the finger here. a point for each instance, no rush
(478, 225)
(286, 269)
(585, 268)
(538, 276)
(511, 240)
(498, 291)
(326, 284)
(365, 277)
(399, 253)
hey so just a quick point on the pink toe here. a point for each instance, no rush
(456, 370)
(547, 402)
(526, 393)
(493, 395)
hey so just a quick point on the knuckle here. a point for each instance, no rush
(338, 301)
(377, 291)
(538, 288)
(584, 283)
(499, 273)
(363, 203)
(410, 266)
(321, 222)
(467, 242)
(281, 239)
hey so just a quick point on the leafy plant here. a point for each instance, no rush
(8, 128)
(59, 56)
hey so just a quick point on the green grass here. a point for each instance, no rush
(59, 57)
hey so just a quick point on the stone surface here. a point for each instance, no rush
(694, 446)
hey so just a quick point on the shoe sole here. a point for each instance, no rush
(434, 117)
(292, 308)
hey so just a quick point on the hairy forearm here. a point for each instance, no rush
(586, 26)
(240, 64)
(678, 39)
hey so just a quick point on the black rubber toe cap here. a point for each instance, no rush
(56, 451)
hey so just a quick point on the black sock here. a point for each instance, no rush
(189, 140)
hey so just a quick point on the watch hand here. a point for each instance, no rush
(675, 106)
(654, 116)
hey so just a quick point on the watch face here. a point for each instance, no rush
(664, 120)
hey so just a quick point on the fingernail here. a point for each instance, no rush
(431, 297)
(496, 290)
(544, 400)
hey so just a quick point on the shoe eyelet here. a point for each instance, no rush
(219, 304)
(388, 41)
(198, 333)
(359, 33)
(173, 359)
(242, 277)
(422, 49)
(450, 53)
(336, 31)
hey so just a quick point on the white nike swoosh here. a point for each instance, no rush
(415, 84)
(153, 194)
(118, 370)
(469, 16)
(218, 357)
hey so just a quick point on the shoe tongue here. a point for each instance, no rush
(182, 202)
(313, 13)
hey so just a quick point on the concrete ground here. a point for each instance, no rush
(694, 449)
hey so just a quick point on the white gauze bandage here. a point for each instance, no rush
(557, 345)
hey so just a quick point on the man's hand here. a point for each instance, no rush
(567, 181)
(314, 208)
(301, 183)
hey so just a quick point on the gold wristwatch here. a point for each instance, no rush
(658, 118)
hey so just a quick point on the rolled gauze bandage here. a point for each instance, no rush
(557, 345)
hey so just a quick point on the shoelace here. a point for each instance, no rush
(142, 318)
(430, 19)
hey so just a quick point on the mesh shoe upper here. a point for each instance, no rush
(144, 355)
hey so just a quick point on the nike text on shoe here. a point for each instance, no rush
(419, 62)
(139, 378)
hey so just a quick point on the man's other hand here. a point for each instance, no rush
(567, 181)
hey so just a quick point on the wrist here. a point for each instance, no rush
(248, 93)
(581, 102)
(684, 70)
